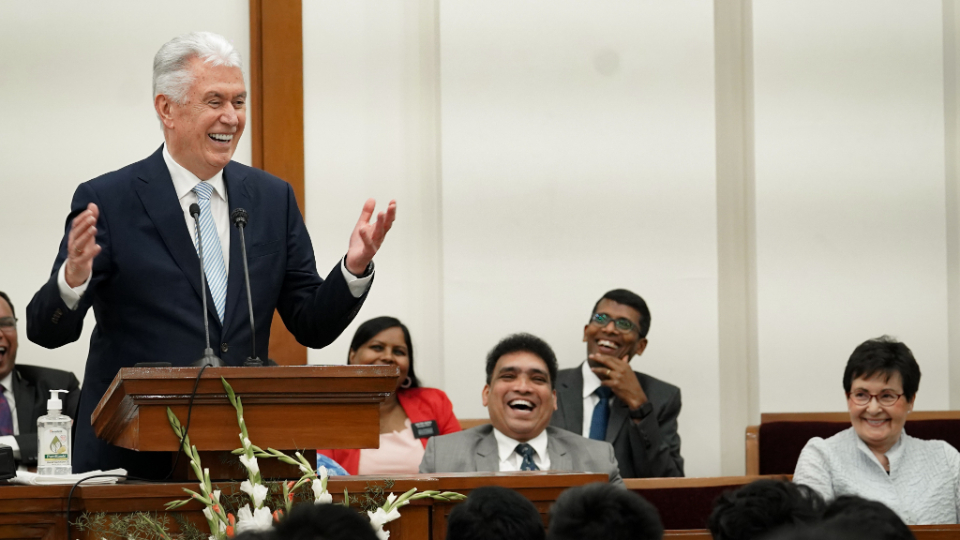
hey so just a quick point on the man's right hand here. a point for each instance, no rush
(82, 246)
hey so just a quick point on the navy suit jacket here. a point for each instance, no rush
(145, 289)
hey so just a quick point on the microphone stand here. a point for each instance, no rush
(209, 359)
(239, 216)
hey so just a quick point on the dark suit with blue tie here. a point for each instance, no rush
(145, 288)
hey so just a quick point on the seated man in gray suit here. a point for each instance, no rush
(520, 398)
(24, 391)
(605, 399)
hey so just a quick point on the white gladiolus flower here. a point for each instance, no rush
(216, 496)
(320, 495)
(250, 463)
(390, 499)
(256, 492)
(323, 473)
(380, 518)
(207, 513)
(247, 443)
(259, 520)
(383, 535)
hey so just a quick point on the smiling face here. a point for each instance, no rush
(878, 426)
(388, 348)
(519, 397)
(8, 341)
(203, 132)
(607, 340)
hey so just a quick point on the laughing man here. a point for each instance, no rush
(520, 396)
(605, 399)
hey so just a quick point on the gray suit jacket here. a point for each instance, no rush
(476, 450)
(649, 449)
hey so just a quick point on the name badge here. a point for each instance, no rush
(427, 428)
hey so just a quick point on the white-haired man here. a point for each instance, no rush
(130, 252)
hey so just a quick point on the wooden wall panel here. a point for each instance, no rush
(276, 118)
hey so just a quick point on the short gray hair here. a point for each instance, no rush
(172, 76)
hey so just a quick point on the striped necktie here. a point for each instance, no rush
(6, 416)
(212, 252)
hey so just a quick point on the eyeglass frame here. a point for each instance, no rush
(4, 327)
(594, 319)
(875, 396)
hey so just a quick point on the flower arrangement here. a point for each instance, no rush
(254, 514)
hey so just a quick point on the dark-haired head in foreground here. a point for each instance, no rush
(323, 522)
(493, 513)
(603, 512)
(761, 507)
(852, 513)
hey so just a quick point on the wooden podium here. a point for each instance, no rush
(285, 407)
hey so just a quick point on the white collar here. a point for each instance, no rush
(590, 380)
(506, 446)
(7, 381)
(184, 181)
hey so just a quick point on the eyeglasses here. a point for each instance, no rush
(885, 398)
(8, 324)
(622, 325)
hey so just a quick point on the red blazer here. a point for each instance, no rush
(420, 404)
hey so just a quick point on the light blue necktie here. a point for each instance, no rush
(601, 414)
(526, 451)
(212, 252)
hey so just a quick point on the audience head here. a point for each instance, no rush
(761, 507)
(881, 381)
(200, 98)
(603, 512)
(385, 341)
(8, 335)
(519, 394)
(323, 522)
(493, 513)
(849, 513)
(618, 326)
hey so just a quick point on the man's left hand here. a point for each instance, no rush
(618, 376)
(367, 237)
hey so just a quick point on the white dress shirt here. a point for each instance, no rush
(590, 384)
(183, 182)
(9, 440)
(510, 460)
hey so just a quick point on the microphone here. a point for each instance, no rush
(209, 359)
(239, 218)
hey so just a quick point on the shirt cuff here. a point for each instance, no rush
(11, 441)
(71, 295)
(357, 285)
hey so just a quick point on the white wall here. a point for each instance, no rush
(850, 193)
(76, 102)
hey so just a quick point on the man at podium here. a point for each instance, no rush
(133, 237)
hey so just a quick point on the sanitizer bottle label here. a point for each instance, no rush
(54, 447)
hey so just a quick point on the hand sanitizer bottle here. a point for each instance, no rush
(54, 449)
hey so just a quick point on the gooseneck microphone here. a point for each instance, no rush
(209, 359)
(239, 218)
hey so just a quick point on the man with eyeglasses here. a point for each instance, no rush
(605, 399)
(24, 391)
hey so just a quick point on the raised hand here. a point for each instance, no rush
(367, 237)
(82, 246)
(617, 374)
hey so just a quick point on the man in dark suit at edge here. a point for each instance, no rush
(605, 399)
(25, 391)
(130, 251)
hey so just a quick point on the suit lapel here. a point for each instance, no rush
(159, 199)
(570, 398)
(560, 459)
(24, 394)
(618, 415)
(487, 457)
(239, 197)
